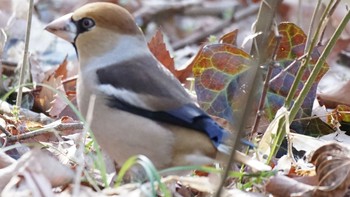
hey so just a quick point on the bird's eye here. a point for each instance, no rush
(87, 23)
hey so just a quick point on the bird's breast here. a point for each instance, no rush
(122, 134)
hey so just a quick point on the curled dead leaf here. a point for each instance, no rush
(332, 163)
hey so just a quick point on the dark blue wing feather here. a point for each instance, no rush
(189, 116)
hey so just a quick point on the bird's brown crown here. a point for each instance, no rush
(112, 25)
(108, 16)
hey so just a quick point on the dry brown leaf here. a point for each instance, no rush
(46, 96)
(31, 125)
(67, 119)
(70, 85)
(60, 79)
(17, 128)
(60, 107)
(37, 163)
(28, 183)
(62, 71)
(332, 163)
(64, 151)
(159, 50)
(281, 186)
(157, 46)
(48, 100)
(63, 109)
(230, 38)
(339, 95)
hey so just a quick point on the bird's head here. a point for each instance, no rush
(96, 29)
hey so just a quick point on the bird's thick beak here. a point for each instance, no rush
(63, 27)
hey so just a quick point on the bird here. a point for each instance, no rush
(140, 107)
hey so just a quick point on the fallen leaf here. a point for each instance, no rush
(338, 95)
(40, 164)
(159, 50)
(230, 38)
(332, 162)
(62, 71)
(280, 186)
(44, 100)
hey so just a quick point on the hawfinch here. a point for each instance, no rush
(140, 108)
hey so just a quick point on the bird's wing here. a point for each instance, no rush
(143, 82)
(145, 89)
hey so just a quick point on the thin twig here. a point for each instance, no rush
(6, 132)
(6, 108)
(312, 77)
(310, 32)
(25, 55)
(69, 126)
(326, 21)
(266, 85)
(305, 62)
(57, 127)
(287, 68)
(317, 68)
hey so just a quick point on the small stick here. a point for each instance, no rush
(266, 84)
(58, 127)
(25, 55)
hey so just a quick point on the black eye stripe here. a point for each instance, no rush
(81, 27)
(84, 24)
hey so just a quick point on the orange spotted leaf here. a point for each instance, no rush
(291, 47)
(219, 71)
(220, 77)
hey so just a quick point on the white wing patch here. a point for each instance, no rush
(125, 95)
